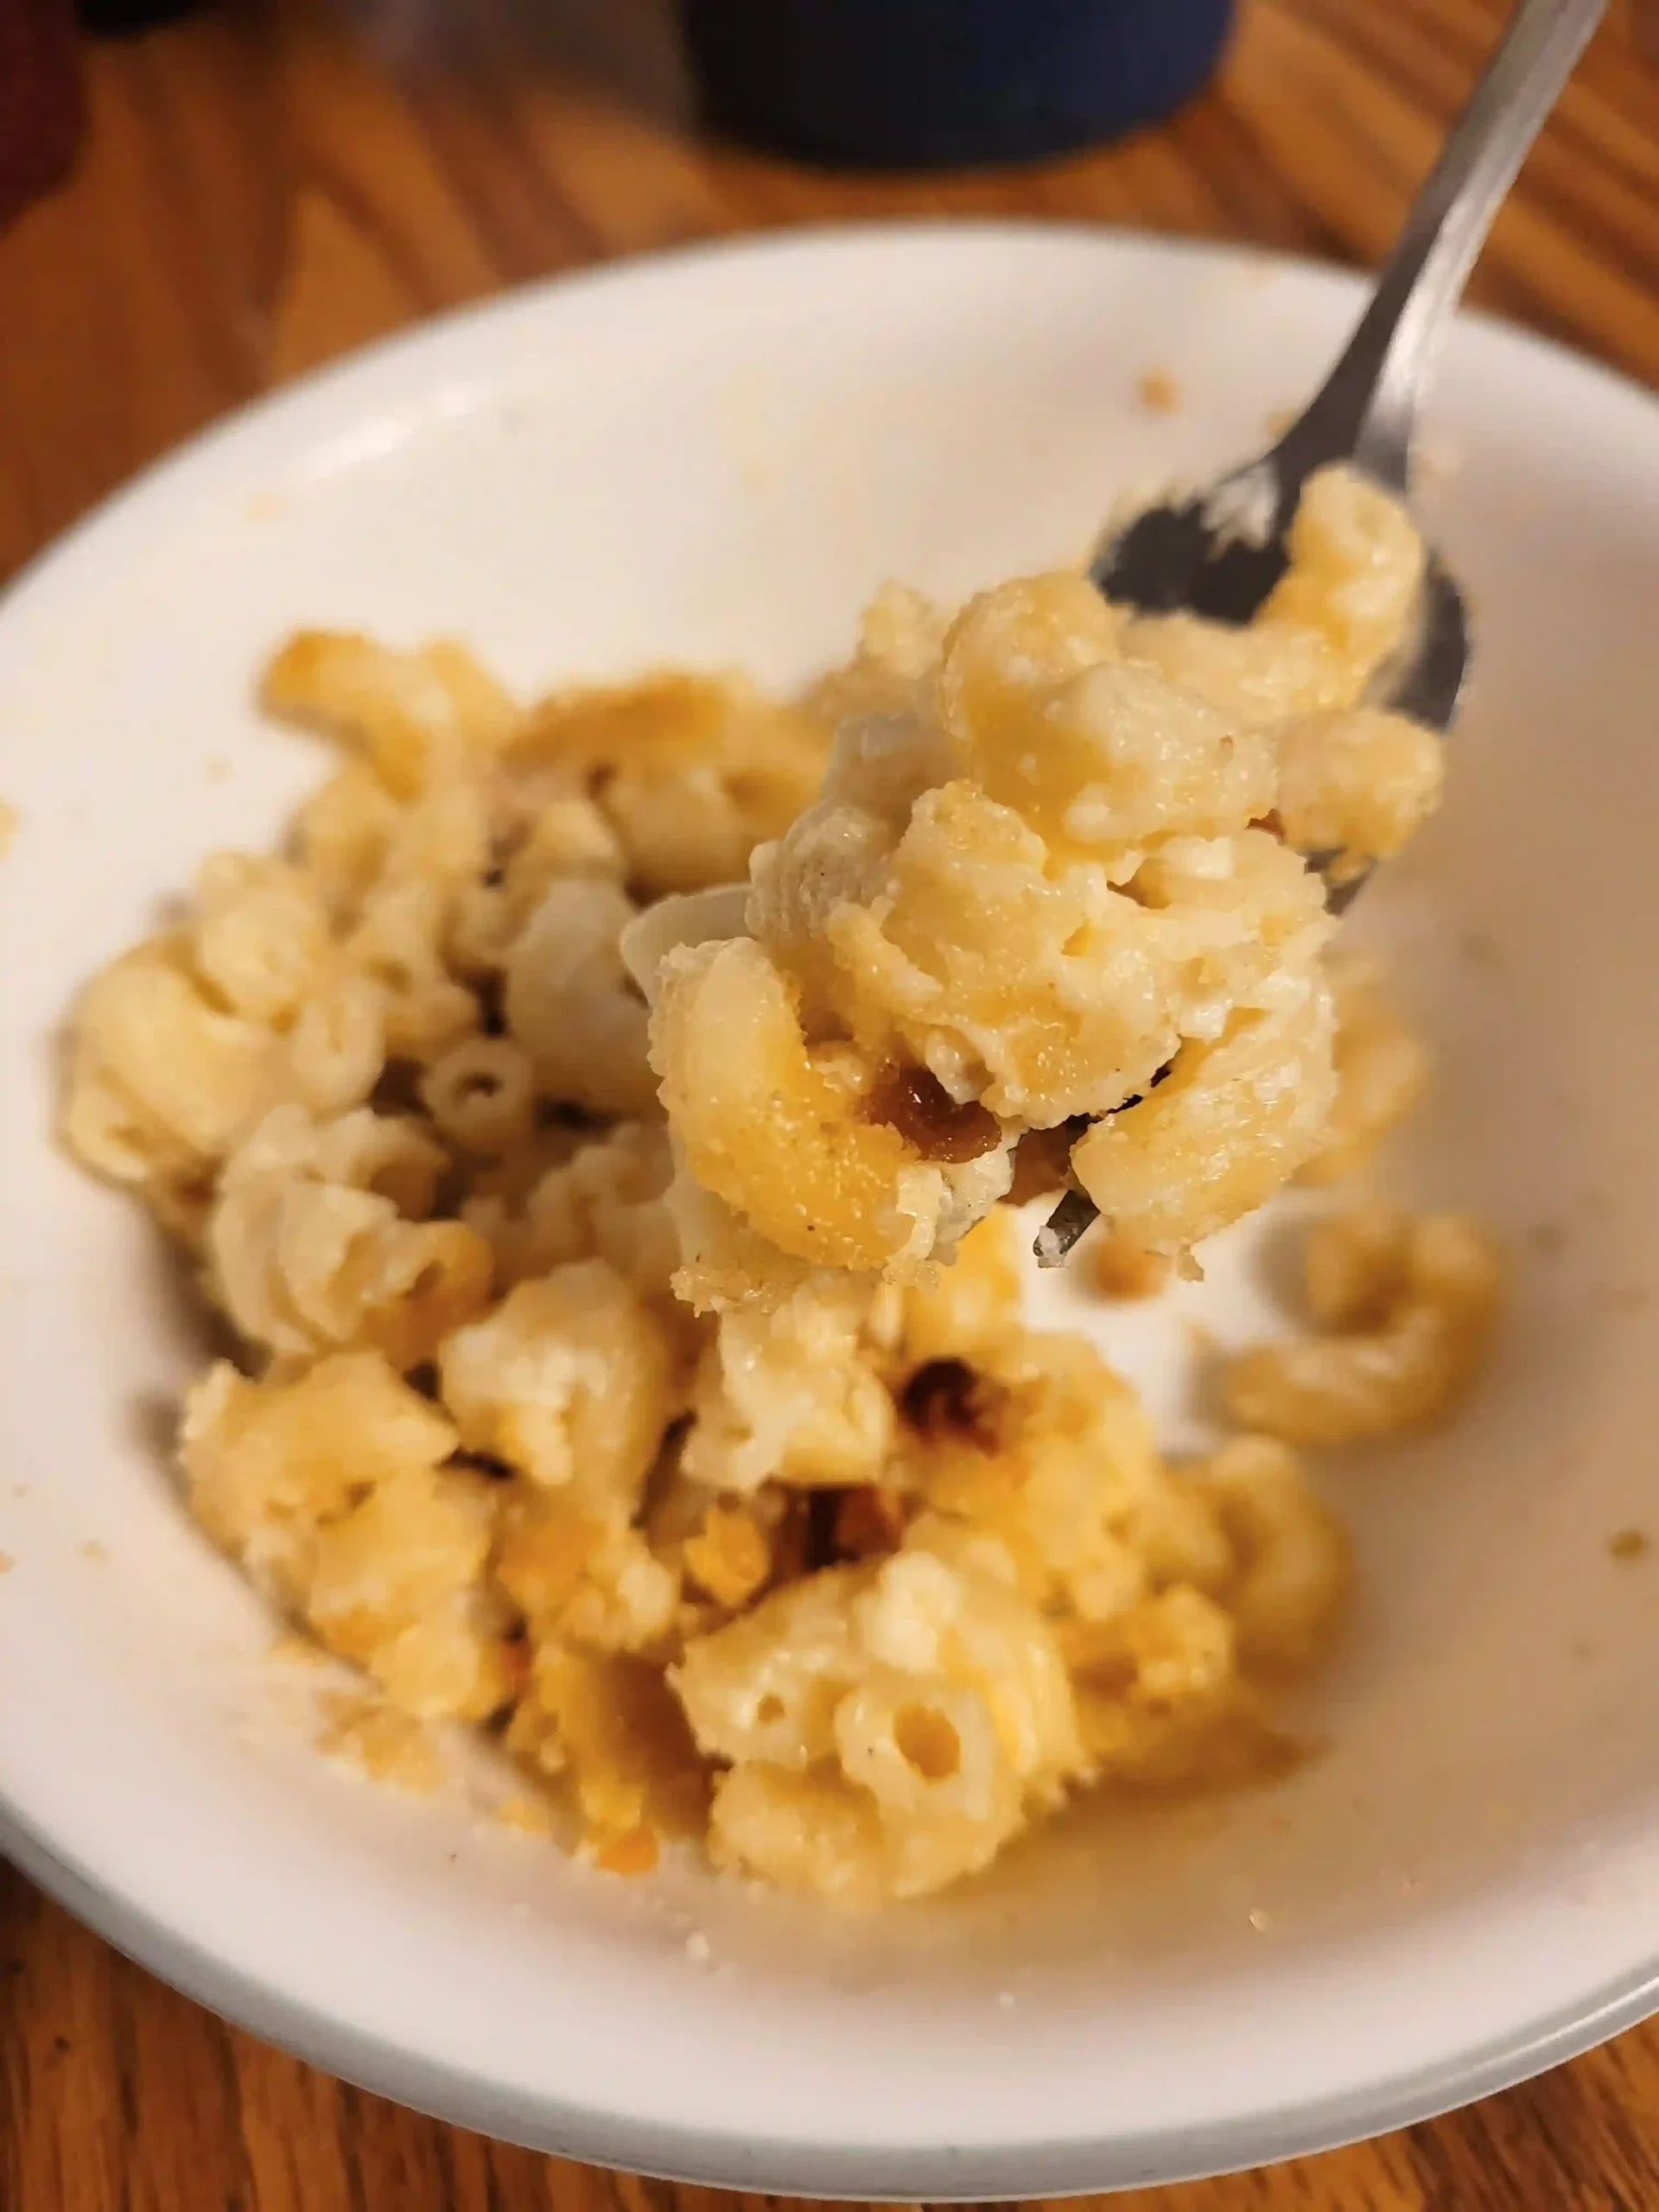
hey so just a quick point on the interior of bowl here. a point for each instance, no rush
(714, 460)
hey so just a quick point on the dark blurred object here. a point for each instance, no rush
(40, 101)
(931, 84)
(120, 18)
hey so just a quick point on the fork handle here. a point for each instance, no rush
(1367, 407)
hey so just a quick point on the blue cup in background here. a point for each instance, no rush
(937, 84)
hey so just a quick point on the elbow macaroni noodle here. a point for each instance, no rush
(661, 1443)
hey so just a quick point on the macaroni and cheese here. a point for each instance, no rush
(704, 1457)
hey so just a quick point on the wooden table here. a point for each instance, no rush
(267, 186)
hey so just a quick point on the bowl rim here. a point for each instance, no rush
(715, 2158)
(714, 2155)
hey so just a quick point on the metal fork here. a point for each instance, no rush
(1219, 551)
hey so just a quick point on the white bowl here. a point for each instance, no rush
(714, 457)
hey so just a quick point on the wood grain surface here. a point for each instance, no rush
(270, 185)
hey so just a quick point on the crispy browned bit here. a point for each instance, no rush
(1270, 821)
(918, 1105)
(1628, 1544)
(868, 1521)
(1042, 1160)
(947, 1397)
